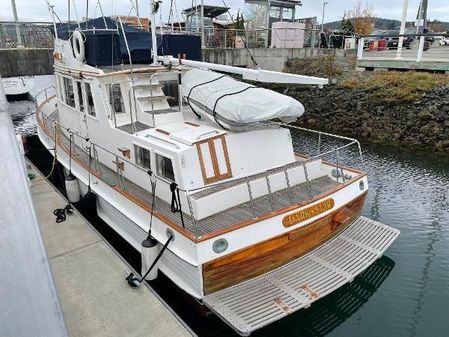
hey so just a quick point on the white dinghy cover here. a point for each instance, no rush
(233, 104)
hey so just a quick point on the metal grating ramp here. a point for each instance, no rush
(253, 304)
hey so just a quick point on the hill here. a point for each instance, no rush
(386, 24)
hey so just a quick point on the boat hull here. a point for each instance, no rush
(270, 254)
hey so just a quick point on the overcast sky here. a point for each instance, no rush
(36, 10)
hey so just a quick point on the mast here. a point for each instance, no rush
(154, 9)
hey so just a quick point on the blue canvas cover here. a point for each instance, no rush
(109, 47)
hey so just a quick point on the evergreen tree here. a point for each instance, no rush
(347, 27)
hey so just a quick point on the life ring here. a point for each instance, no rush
(78, 45)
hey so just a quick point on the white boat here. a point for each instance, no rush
(18, 85)
(233, 214)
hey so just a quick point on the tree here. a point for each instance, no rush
(347, 27)
(362, 14)
(239, 22)
(436, 26)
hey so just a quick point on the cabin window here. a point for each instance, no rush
(69, 95)
(143, 157)
(80, 95)
(90, 100)
(164, 167)
(116, 99)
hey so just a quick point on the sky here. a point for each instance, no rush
(36, 10)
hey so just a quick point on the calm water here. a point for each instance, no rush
(406, 292)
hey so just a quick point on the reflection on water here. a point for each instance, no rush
(408, 190)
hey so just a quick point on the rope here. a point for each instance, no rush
(196, 86)
(214, 113)
(244, 40)
(61, 213)
(153, 182)
(175, 205)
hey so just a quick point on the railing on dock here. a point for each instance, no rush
(414, 46)
(292, 189)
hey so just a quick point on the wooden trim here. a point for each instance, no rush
(163, 131)
(213, 154)
(280, 211)
(270, 254)
(191, 124)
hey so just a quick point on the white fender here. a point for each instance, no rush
(78, 45)
(150, 250)
(72, 188)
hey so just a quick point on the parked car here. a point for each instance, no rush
(444, 41)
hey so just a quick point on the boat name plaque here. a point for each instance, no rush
(307, 213)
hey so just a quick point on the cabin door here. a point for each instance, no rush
(214, 159)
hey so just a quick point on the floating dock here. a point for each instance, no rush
(90, 280)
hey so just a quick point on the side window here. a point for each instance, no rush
(164, 167)
(90, 100)
(80, 95)
(143, 157)
(68, 92)
(116, 99)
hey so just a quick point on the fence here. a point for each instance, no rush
(26, 34)
(414, 47)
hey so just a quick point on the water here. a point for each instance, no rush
(406, 292)
(23, 110)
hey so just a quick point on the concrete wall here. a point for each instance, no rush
(266, 58)
(26, 62)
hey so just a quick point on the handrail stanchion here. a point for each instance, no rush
(306, 175)
(337, 166)
(250, 193)
(287, 180)
(319, 143)
(192, 215)
(269, 191)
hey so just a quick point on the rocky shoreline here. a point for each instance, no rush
(380, 108)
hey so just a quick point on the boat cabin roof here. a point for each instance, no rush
(181, 134)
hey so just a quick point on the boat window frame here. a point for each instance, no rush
(90, 109)
(158, 171)
(79, 97)
(66, 79)
(111, 99)
(137, 156)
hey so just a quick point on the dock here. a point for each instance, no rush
(90, 277)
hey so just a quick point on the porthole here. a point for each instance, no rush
(220, 246)
(361, 185)
(169, 233)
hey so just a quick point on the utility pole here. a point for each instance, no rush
(16, 20)
(322, 17)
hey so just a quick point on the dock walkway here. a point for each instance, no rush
(90, 280)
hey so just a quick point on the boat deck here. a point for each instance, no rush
(250, 305)
(217, 222)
